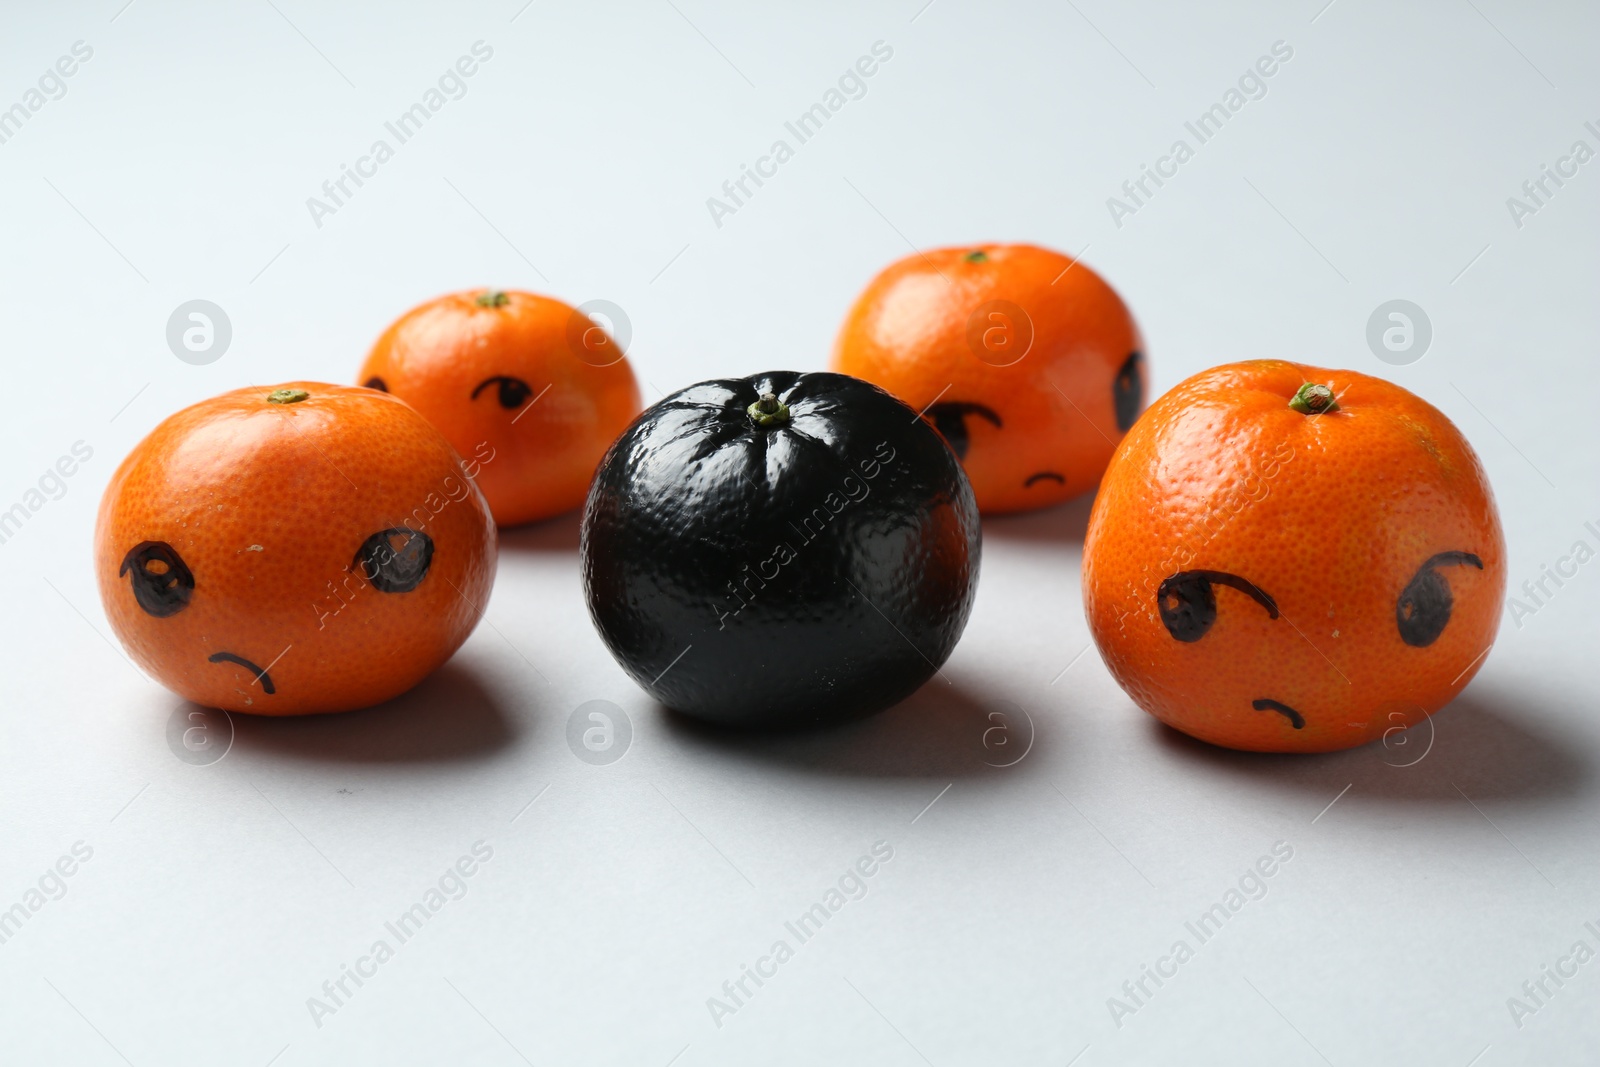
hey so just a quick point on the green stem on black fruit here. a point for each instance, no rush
(769, 411)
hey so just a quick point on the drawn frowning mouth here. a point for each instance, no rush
(261, 675)
(1044, 476)
(1295, 718)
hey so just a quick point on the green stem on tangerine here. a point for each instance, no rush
(493, 298)
(977, 255)
(769, 411)
(1314, 399)
(287, 396)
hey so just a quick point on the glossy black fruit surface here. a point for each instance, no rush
(805, 557)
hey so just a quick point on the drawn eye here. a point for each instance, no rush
(1423, 610)
(1127, 390)
(1188, 603)
(514, 392)
(162, 582)
(950, 418)
(395, 560)
(377, 383)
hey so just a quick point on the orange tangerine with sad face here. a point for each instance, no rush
(1028, 363)
(1288, 559)
(309, 548)
(539, 383)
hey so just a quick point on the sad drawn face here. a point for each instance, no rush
(1284, 558)
(1188, 606)
(1024, 358)
(391, 561)
(1038, 460)
(529, 389)
(319, 553)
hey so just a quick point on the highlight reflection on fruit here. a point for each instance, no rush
(787, 549)
(525, 376)
(1028, 363)
(309, 548)
(1289, 559)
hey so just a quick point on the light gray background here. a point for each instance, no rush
(220, 897)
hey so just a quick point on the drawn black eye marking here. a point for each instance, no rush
(950, 418)
(1188, 604)
(377, 383)
(1423, 610)
(1297, 720)
(162, 582)
(394, 560)
(1127, 390)
(1043, 476)
(514, 392)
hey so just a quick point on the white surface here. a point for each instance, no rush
(219, 898)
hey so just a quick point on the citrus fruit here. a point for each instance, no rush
(308, 548)
(1289, 559)
(780, 550)
(1028, 363)
(525, 377)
